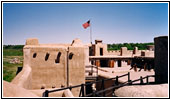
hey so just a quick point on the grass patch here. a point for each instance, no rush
(10, 69)
(8, 75)
(12, 52)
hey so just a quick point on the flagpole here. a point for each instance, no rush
(90, 32)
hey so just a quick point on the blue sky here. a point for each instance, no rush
(62, 22)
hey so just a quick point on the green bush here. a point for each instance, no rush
(130, 46)
(12, 52)
(13, 46)
(8, 75)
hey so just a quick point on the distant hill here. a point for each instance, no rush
(130, 46)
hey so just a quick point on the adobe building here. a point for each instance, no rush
(48, 66)
(54, 66)
(101, 57)
(98, 49)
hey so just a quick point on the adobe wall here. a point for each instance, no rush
(125, 52)
(77, 64)
(39, 73)
(159, 90)
(86, 53)
(13, 90)
(23, 79)
(114, 52)
(122, 52)
(46, 66)
(147, 53)
(45, 71)
(76, 68)
(97, 49)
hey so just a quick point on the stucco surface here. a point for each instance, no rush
(143, 91)
(12, 90)
(113, 72)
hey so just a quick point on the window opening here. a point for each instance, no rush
(47, 56)
(34, 55)
(57, 60)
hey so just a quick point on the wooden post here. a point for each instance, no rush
(116, 81)
(147, 80)
(141, 80)
(82, 88)
(46, 93)
(128, 76)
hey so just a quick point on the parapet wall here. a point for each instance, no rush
(113, 52)
(125, 52)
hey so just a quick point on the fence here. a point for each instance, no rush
(103, 89)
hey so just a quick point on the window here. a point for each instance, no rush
(101, 51)
(119, 63)
(70, 55)
(90, 51)
(57, 60)
(34, 55)
(47, 56)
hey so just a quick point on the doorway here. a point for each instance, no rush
(104, 63)
(119, 63)
(101, 51)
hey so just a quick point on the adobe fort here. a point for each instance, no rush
(77, 69)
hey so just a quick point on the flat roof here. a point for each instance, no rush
(110, 57)
(118, 57)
